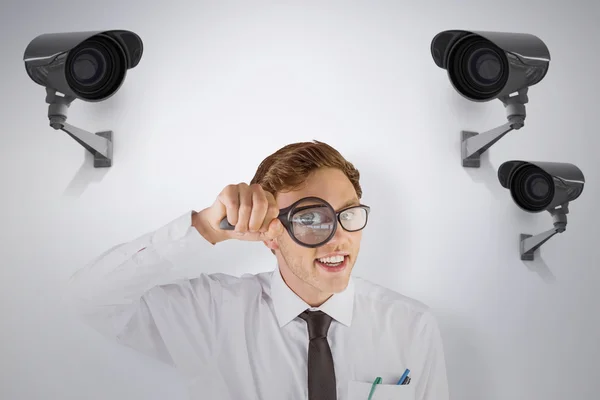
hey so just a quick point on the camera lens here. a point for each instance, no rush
(96, 68)
(484, 67)
(479, 69)
(532, 188)
(88, 67)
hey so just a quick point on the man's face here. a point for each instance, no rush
(298, 264)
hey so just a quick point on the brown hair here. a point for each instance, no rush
(289, 167)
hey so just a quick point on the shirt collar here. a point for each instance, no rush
(288, 305)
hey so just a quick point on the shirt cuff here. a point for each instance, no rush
(174, 230)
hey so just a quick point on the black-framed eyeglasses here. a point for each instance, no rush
(312, 222)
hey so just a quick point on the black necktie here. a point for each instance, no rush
(321, 375)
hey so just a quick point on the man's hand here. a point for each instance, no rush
(251, 209)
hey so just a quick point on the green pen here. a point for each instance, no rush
(376, 382)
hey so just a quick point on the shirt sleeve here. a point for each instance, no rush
(431, 381)
(115, 292)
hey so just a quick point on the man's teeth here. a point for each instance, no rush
(332, 260)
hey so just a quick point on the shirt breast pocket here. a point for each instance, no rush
(360, 391)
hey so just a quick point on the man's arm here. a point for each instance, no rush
(149, 294)
(432, 380)
(111, 293)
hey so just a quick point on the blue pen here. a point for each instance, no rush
(404, 375)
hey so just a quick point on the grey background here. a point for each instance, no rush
(219, 87)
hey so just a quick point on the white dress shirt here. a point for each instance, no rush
(240, 338)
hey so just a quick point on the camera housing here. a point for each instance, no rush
(542, 186)
(484, 65)
(89, 66)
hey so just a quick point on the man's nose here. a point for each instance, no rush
(340, 236)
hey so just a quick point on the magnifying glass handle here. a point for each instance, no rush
(225, 225)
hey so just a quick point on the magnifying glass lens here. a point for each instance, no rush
(312, 222)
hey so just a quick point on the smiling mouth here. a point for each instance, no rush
(333, 264)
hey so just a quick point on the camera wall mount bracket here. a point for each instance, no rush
(99, 144)
(528, 244)
(473, 144)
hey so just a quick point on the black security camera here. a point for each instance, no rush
(89, 66)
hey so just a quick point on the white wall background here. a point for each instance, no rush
(222, 86)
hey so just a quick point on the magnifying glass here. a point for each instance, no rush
(312, 222)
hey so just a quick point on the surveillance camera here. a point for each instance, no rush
(538, 186)
(90, 66)
(486, 65)
(491, 65)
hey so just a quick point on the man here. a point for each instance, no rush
(307, 330)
